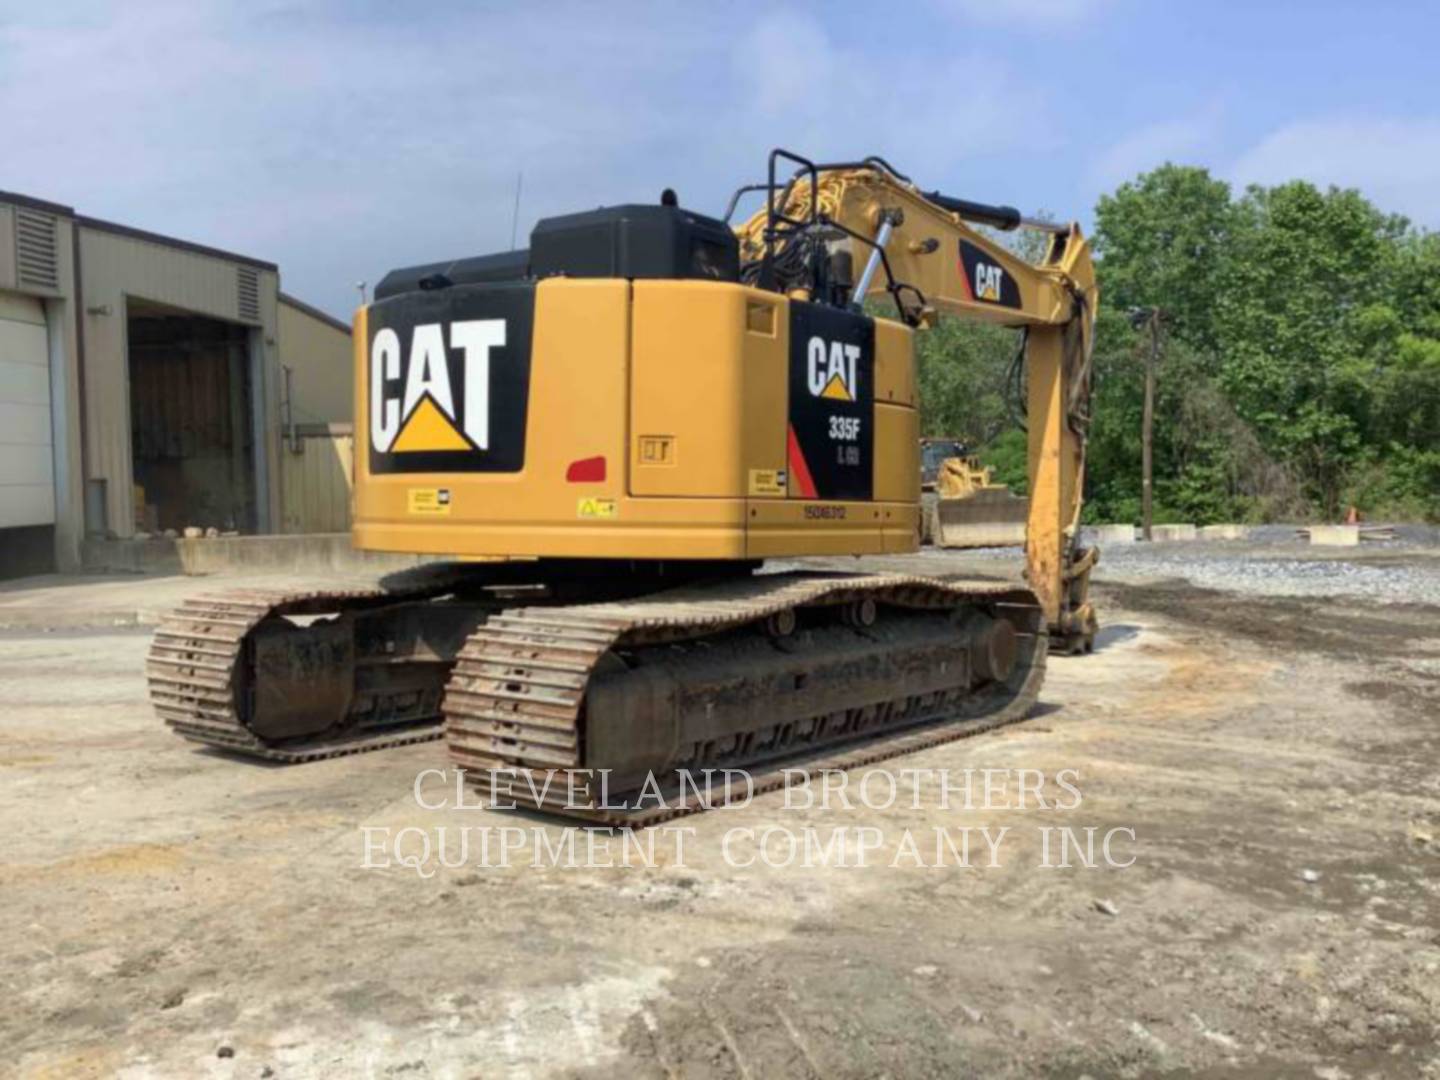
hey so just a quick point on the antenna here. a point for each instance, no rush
(515, 217)
(360, 287)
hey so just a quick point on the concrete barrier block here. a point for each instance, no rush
(153, 555)
(1113, 534)
(309, 552)
(1335, 535)
(305, 553)
(1224, 532)
(1171, 532)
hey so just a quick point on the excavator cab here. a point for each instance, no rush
(933, 454)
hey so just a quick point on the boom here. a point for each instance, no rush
(925, 251)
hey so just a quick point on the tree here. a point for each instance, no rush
(1301, 368)
(1302, 315)
(1161, 241)
(962, 370)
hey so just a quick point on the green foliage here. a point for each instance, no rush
(1162, 241)
(1398, 483)
(961, 371)
(1300, 367)
(1302, 319)
(1301, 359)
(1113, 462)
(1007, 455)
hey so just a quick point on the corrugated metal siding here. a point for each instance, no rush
(321, 363)
(316, 484)
(7, 247)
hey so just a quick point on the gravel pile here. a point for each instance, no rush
(1286, 536)
(1409, 581)
(1274, 562)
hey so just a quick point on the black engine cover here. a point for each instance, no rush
(635, 242)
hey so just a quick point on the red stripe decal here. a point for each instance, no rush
(590, 470)
(798, 468)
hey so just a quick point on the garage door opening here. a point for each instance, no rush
(191, 441)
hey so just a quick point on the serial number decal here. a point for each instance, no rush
(825, 513)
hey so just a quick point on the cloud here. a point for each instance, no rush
(1144, 149)
(342, 141)
(1031, 14)
(336, 146)
(1395, 162)
(803, 89)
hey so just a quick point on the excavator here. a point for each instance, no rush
(601, 440)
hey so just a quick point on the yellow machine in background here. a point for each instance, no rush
(970, 510)
(633, 414)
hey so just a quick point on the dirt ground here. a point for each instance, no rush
(172, 912)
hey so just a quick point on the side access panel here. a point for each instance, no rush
(707, 390)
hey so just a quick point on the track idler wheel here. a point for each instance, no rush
(994, 646)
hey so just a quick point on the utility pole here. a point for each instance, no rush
(1147, 425)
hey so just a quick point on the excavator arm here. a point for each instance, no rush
(843, 232)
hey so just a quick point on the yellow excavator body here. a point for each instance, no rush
(603, 438)
(659, 428)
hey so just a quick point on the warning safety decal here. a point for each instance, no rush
(603, 509)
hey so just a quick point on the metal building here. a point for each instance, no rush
(144, 384)
(318, 400)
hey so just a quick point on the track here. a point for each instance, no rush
(572, 708)
(516, 704)
(199, 674)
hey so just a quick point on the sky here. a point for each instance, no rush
(341, 140)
